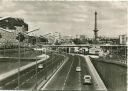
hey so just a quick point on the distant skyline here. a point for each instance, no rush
(69, 17)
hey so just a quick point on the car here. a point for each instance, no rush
(87, 80)
(78, 69)
(40, 66)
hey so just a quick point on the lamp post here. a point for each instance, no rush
(52, 61)
(19, 58)
(4, 49)
(35, 39)
(36, 65)
(19, 65)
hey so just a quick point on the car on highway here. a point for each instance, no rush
(78, 69)
(40, 66)
(87, 80)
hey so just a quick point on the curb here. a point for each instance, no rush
(98, 83)
(44, 83)
(12, 72)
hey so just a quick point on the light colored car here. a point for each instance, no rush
(87, 79)
(40, 66)
(78, 69)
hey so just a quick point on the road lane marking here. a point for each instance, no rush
(13, 80)
(30, 72)
(31, 77)
(67, 75)
(13, 72)
(27, 80)
(22, 83)
(44, 86)
(80, 74)
(34, 74)
(9, 82)
(22, 76)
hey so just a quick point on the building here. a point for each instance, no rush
(11, 24)
(82, 37)
(67, 39)
(9, 30)
(109, 40)
(123, 39)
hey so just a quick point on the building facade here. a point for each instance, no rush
(123, 39)
(109, 40)
(9, 30)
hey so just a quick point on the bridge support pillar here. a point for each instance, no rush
(69, 50)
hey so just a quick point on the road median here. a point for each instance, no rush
(98, 83)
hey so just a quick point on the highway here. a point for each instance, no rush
(28, 78)
(68, 79)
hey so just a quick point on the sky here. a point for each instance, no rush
(69, 17)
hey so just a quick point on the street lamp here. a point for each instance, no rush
(21, 38)
(36, 65)
(19, 65)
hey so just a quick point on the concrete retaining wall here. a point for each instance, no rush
(12, 72)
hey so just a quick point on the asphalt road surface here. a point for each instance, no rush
(68, 79)
(28, 78)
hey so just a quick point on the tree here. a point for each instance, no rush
(32, 40)
(20, 37)
(76, 41)
(43, 39)
(57, 42)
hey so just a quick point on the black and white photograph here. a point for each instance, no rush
(63, 45)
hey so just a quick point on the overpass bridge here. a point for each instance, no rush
(86, 45)
(92, 48)
(105, 46)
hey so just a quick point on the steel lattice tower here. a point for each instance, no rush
(95, 29)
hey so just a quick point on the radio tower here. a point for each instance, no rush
(95, 29)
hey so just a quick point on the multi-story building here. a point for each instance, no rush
(123, 39)
(82, 37)
(9, 30)
(108, 40)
